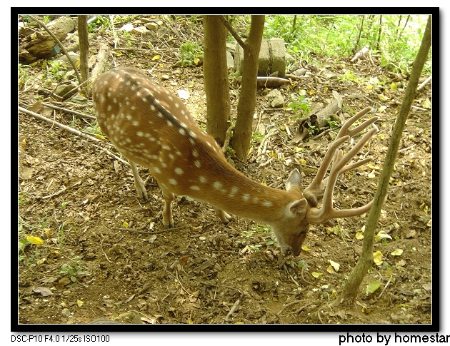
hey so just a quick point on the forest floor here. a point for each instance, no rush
(107, 257)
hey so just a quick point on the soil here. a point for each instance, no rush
(106, 256)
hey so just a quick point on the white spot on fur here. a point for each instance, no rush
(217, 185)
(172, 181)
(267, 204)
(202, 179)
(194, 187)
(233, 191)
(179, 171)
(197, 163)
(245, 197)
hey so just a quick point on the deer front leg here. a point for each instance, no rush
(138, 183)
(223, 215)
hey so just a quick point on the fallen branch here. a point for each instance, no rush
(233, 308)
(423, 84)
(69, 111)
(74, 131)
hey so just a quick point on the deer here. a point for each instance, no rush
(152, 127)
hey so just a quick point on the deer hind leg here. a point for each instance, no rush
(223, 215)
(167, 210)
(138, 183)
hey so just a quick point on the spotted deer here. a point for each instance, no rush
(152, 127)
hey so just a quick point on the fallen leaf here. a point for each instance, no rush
(401, 263)
(306, 248)
(335, 265)
(80, 303)
(426, 103)
(316, 274)
(397, 252)
(410, 234)
(382, 235)
(156, 57)
(34, 240)
(372, 286)
(359, 235)
(378, 258)
(382, 97)
(43, 291)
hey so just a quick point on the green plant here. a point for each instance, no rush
(190, 52)
(24, 75)
(100, 23)
(127, 37)
(299, 105)
(74, 269)
(56, 69)
(94, 130)
(336, 36)
(257, 137)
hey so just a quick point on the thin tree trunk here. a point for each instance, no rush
(404, 26)
(365, 261)
(216, 78)
(380, 29)
(240, 141)
(359, 34)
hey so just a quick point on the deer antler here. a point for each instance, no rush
(339, 166)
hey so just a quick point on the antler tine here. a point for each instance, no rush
(314, 188)
(345, 127)
(319, 215)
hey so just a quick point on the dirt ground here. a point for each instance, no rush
(106, 256)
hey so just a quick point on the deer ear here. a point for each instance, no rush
(298, 207)
(293, 180)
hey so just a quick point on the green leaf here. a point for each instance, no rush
(372, 286)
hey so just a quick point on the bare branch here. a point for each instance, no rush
(233, 33)
(61, 45)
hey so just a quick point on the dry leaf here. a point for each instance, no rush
(306, 248)
(335, 265)
(378, 258)
(316, 274)
(397, 252)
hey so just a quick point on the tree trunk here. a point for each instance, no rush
(240, 141)
(84, 47)
(216, 78)
(355, 49)
(380, 29)
(365, 261)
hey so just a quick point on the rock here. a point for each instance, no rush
(275, 98)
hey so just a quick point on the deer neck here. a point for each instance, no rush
(228, 189)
